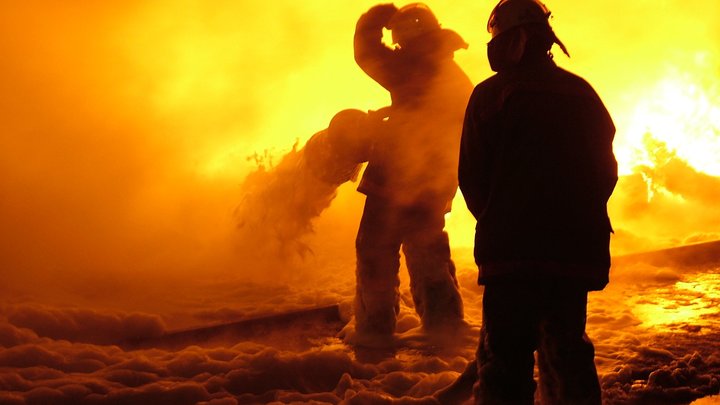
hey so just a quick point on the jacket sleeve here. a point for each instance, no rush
(606, 167)
(473, 168)
(609, 163)
(371, 54)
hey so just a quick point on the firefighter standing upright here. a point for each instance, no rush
(536, 170)
(411, 177)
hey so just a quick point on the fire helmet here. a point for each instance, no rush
(509, 14)
(412, 21)
(349, 135)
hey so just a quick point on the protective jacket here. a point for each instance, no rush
(536, 170)
(415, 157)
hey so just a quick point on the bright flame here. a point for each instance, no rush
(681, 111)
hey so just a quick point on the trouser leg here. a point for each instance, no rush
(378, 261)
(508, 339)
(433, 283)
(565, 353)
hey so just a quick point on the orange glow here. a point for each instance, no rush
(129, 127)
(681, 110)
(126, 126)
(690, 302)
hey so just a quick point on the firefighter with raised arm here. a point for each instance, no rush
(410, 179)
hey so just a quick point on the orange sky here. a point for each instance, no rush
(125, 126)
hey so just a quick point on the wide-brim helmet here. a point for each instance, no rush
(509, 14)
(412, 21)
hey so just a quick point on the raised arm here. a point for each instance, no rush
(371, 54)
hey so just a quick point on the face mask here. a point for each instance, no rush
(506, 50)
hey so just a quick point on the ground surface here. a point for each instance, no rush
(655, 328)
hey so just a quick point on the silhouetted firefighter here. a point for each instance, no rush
(411, 176)
(536, 170)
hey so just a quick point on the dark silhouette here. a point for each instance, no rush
(536, 170)
(411, 177)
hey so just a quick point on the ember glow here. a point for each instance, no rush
(127, 132)
(692, 302)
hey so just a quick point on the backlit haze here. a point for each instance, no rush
(127, 129)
